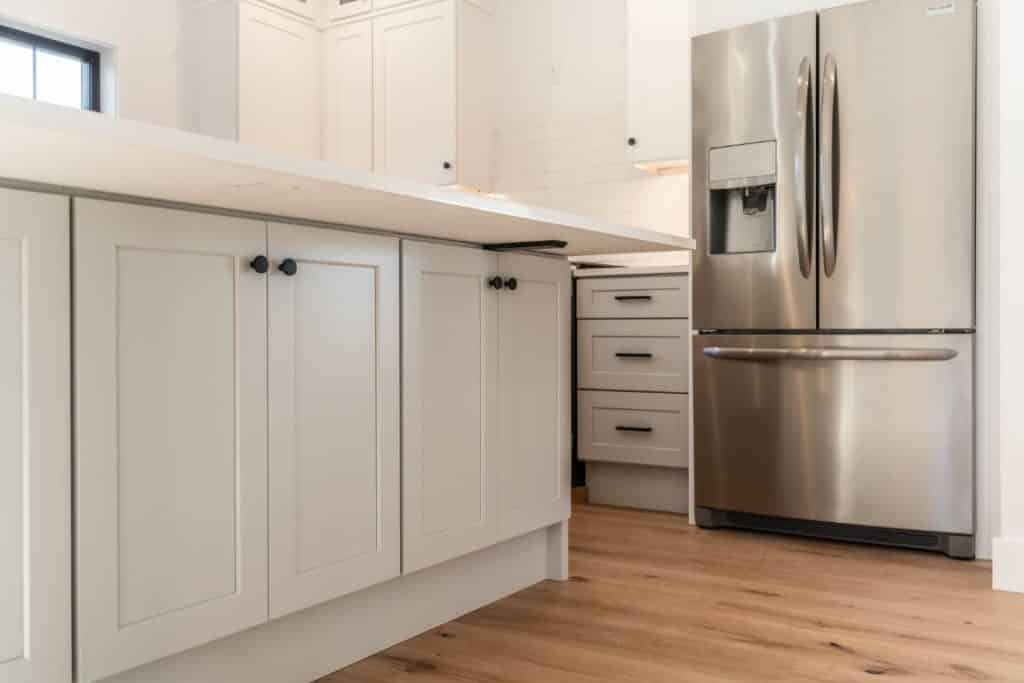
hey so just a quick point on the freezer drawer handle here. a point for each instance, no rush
(722, 353)
(635, 297)
(634, 355)
(643, 430)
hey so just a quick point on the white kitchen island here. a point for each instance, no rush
(292, 414)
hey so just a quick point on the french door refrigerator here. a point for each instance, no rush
(833, 204)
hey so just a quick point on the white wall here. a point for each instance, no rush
(1008, 566)
(562, 117)
(139, 40)
(715, 15)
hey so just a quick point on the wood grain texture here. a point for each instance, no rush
(653, 599)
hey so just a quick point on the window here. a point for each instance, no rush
(48, 70)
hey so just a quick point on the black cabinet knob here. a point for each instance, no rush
(289, 267)
(260, 264)
(631, 142)
(496, 282)
(447, 165)
(512, 284)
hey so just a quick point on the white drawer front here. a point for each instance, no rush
(633, 297)
(635, 429)
(634, 355)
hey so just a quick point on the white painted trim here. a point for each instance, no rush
(311, 644)
(1008, 564)
(558, 552)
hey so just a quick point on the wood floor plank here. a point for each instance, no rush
(654, 600)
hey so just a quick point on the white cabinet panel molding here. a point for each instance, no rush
(171, 432)
(35, 442)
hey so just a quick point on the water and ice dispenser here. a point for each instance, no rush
(741, 207)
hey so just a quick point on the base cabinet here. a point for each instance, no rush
(334, 415)
(486, 378)
(35, 442)
(171, 404)
(237, 407)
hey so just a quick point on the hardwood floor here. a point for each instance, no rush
(655, 600)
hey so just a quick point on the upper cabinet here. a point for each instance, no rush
(415, 94)
(279, 82)
(393, 87)
(658, 49)
(35, 439)
(409, 92)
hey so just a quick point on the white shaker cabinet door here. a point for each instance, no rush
(279, 82)
(348, 95)
(658, 68)
(170, 405)
(535, 432)
(334, 415)
(450, 368)
(414, 94)
(35, 441)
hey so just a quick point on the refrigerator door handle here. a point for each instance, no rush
(803, 138)
(827, 171)
(829, 354)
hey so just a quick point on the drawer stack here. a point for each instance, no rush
(633, 379)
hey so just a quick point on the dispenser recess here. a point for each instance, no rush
(741, 201)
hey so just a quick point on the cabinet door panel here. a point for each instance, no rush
(348, 95)
(450, 391)
(334, 416)
(534, 325)
(35, 443)
(279, 83)
(414, 94)
(171, 432)
(658, 80)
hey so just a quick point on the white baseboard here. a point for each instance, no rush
(311, 644)
(1008, 564)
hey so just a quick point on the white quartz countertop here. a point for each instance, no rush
(88, 152)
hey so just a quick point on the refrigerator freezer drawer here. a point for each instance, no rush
(854, 429)
(633, 297)
(634, 355)
(635, 429)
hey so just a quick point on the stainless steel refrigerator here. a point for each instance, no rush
(833, 203)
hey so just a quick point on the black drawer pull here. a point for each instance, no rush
(634, 355)
(635, 297)
(644, 430)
